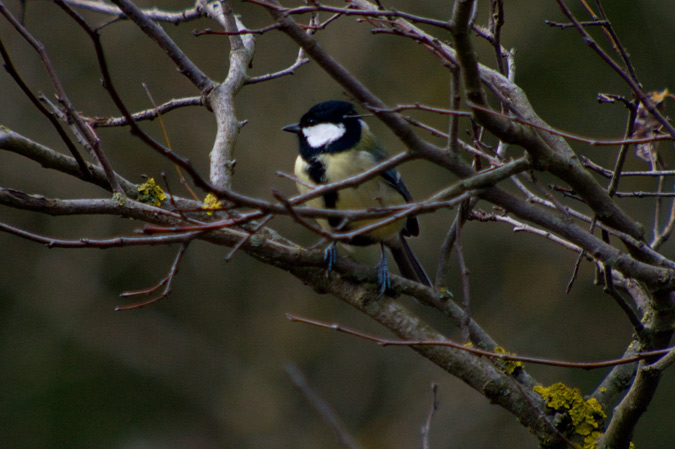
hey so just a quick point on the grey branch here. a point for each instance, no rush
(157, 14)
(157, 34)
(221, 99)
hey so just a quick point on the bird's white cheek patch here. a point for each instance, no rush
(323, 134)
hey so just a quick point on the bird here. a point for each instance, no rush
(336, 144)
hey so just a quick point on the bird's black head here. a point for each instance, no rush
(329, 127)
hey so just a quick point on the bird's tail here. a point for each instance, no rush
(408, 264)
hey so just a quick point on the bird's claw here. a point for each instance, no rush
(330, 257)
(383, 279)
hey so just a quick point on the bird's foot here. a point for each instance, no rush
(330, 257)
(383, 279)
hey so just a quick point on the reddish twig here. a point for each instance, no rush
(92, 140)
(248, 236)
(116, 242)
(9, 67)
(630, 79)
(166, 282)
(480, 352)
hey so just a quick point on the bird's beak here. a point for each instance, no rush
(294, 128)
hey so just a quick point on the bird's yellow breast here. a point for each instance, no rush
(375, 193)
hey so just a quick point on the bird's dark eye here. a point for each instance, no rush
(311, 121)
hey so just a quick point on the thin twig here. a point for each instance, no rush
(621, 302)
(352, 12)
(623, 151)
(157, 34)
(607, 173)
(641, 194)
(455, 102)
(480, 352)
(116, 242)
(148, 114)
(166, 282)
(449, 242)
(250, 234)
(571, 25)
(662, 236)
(9, 66)
(464, 273)
(577, 263)
(324, 409)
(663, 362)
(574, 137)
(181, 60)
(614, 39)
(299, 62)
(92, 140)
(519, 226)
(208, 31)
(157, 14)
(628, 78)
(426, 428)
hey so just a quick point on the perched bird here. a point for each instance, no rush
(335, 144)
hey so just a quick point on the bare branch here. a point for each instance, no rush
(299, 62)
(221, 98)
(589, 186)
(166, 282)
(464, 274)
(426, 428)
(522, 227)
(473, 350)
(73, 115)
(48, 158)
(345, 438)
(157, 34)
(608, 173)
(497, 114)
(628, 78)
(148, 114)
(157, 14)
(116, 242)
(107, 206)
(560, 158)
(9, 66)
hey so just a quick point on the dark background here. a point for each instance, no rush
(205, 367)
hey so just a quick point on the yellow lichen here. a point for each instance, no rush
(211, 203)
(591, 440)
(119, 198)
(445, 293)
(585, 415)
(149, 192)
(509, 365)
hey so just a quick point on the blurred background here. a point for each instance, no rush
(205, 367)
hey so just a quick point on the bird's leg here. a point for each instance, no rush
(383, 281)
(330, 256)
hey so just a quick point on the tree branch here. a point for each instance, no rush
(72, 114)
(658, 277)
(50, 159)
(221, 98)
(157, 34)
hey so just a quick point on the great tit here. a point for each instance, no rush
(336, 144)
